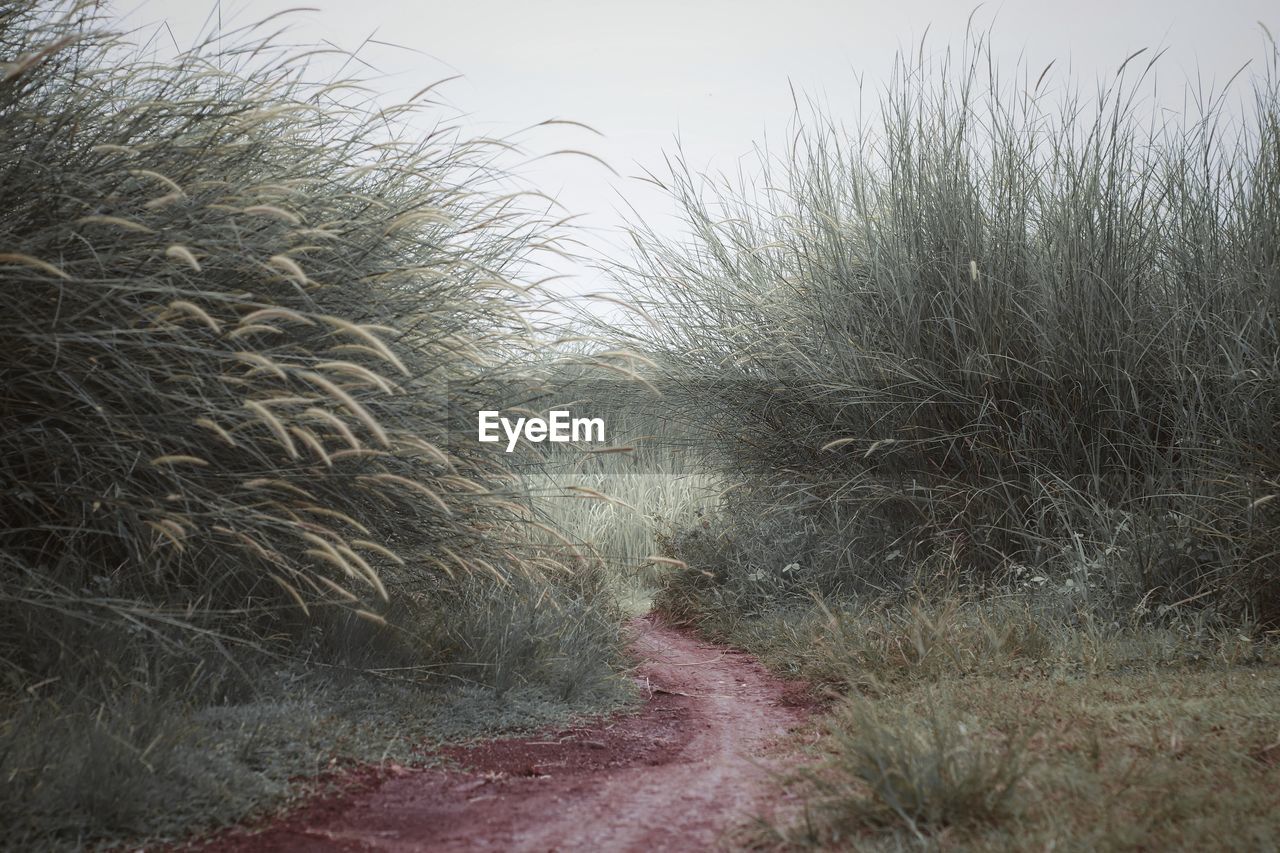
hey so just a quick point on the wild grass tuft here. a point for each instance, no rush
(922, 773)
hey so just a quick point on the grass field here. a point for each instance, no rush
(1006, 724)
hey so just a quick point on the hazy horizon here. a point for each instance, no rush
(713, 77)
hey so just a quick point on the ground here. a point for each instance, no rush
(694, 763)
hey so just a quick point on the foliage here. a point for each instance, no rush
(993, 333)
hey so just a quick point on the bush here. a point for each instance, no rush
(231, 305)
(994, 336)
(235, 308)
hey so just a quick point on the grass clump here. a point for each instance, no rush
(234, 305)
(923, 774)
(229, 304)
(999, 330)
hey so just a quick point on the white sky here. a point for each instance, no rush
(717, 73)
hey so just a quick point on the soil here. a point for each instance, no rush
(695, 761)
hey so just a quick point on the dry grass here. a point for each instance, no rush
(991, 380)
(228, 324)
(1013, 725)
(991, 333)
(1170, 758)
(234, 303)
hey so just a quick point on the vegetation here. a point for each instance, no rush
(619, 501)
(235, 306)
(991, 381)
(996, 726)
(986, 338)
(967, 416)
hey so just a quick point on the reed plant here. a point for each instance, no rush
(1000, 328)
(237, 299)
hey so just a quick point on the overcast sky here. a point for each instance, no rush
(715, 73)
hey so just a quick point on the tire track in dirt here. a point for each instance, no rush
(691, 764)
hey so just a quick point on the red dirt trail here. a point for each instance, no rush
(691, 764)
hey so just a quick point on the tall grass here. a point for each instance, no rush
(622, 518)
(234, 302)
(621, 502)
(231, 302)
(998, 330)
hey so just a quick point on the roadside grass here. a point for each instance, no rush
(1004, 326)
(237, 541)
(135, 768)
(1019, 723)
(103, 768)
(990, 378)
(1166, 758)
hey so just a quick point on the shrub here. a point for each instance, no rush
(988, 332)
(231, 304)
(237, 311)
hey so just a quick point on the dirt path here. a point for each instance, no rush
(675, 776)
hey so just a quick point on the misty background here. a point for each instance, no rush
(710, 78)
